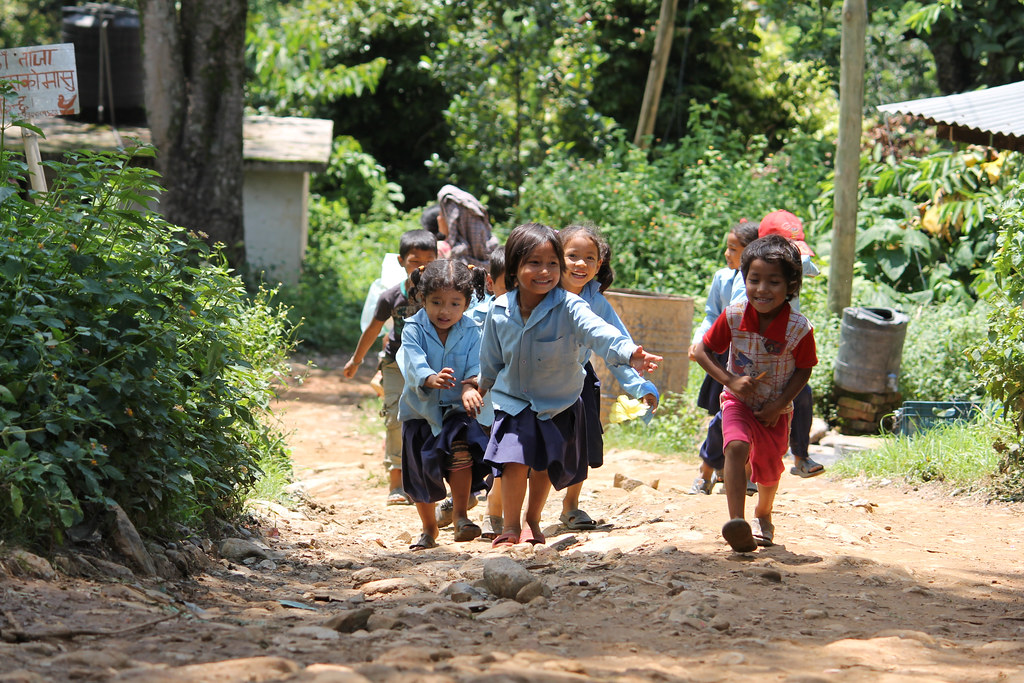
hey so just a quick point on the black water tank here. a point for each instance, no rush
(108, 54)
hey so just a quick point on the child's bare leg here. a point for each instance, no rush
(427, 519)
(394, 480)
(460, 481)
(494, 498)
(765, 501)
(571, 501)
(706, 471)
(540, 486)
(513, 492)
(736, 455)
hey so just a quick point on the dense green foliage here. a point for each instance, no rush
(133, 369)
(666, 215)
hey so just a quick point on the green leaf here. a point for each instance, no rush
(17, 504)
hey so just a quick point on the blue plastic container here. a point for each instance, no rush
(918, 416)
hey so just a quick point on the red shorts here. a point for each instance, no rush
(767, 444)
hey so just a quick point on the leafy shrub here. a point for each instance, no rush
(342, 259)
(923, 224)
(999, 359)
(133, 367)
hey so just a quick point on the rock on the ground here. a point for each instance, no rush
(505, 577)
(349, 620)
(239, 550)
(24, 563)
(128, 542)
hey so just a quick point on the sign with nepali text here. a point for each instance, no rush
(44, 78)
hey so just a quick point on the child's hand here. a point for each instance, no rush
(691, 352)
(644, 362)
(472, 401)
(768, 415)
(349, 371)
(743, 387)
(441, 380)
(651, 400)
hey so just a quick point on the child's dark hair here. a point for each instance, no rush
(523, 240)
(428, 219)
(776, 249)
(497, 262)
(745, 231)
(605, 275)
(421, 240)
(444, 274)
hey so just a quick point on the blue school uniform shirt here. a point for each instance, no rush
(631, 381)
(536, 364)
(422, 354)
(479, 310)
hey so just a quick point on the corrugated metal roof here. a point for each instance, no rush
(998, 110)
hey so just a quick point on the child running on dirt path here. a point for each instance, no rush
(771, 353)
(440, 361)
(588, 274)
(529, 363)
(415, 248)
(726, 287)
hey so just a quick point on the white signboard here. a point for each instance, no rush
(45, 80)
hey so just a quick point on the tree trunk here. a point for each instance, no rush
(193, 52)
(656, 74)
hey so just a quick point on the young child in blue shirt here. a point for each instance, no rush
(441, 439)
(726, 287)
(529, 362)
(588, 273)
(415, 248)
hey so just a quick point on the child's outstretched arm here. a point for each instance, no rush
(769, 413)
(366, 340)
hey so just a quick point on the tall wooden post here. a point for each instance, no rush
(851, 105)
(656, 74)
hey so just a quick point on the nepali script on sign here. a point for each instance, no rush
(44, 78)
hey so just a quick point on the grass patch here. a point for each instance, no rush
(676, 429)
(958, 454)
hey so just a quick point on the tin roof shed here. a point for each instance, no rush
(992, 117)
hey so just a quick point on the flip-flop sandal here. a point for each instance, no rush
(466, 530)
(506, 539)
(751, 488)
(806, 468)
(423, 542)
(763, 531)
(737, 534)
(577, 520)
(527, 536)
(492, 527)
(398, 497)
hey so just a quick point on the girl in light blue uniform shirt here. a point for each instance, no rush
(441, 439)
(529, 362)
(588, 274)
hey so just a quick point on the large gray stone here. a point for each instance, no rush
(505, 577)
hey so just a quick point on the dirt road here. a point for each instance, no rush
(866, 584)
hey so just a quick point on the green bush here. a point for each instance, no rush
(133, 367)
(666, 214)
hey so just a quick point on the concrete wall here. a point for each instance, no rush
(276, 222)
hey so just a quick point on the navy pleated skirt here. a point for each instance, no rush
(555, 445)
(426, 458)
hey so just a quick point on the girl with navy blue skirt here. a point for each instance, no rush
(588, 273)
(440, 361)
(529, 361)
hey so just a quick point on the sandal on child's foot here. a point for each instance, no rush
(763, 531)
(805, 467)
(737, 534)
(751, 488)
(398, 497)
(508, 538)
(491, 527)
(701, 485)
(465, 530)
(423, 542)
